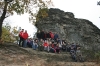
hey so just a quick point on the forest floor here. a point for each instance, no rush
(13, 55)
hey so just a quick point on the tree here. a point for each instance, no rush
(6, 33)
(42, 13)
(7, 7)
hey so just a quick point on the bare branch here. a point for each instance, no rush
(8, 1)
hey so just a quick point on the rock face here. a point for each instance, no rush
(72, 29)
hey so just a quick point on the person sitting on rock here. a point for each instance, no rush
(45, 44)
(79, 54)
(35, 44)
(68, 47)
(63, 46)
(73, 45)
(52, 48)
(40, 45)
(57, 48)
(73, 53)
(30, 42)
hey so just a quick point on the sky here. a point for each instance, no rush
(84, 9)
(21, 21)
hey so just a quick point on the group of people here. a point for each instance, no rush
(48, 45)
(49, 42)
(45, 35)
(23, 35)
(75, 52)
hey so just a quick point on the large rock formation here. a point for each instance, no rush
(72, 29)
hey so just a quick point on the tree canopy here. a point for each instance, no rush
(22, 6)
(42, 13)
(8, 7)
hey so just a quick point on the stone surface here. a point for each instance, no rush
(72, 29)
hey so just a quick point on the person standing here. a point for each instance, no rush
(42, 35)
(51, 35)
(25, 37)
(55, 37)
(38, 35)
(21, 37)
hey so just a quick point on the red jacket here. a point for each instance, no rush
(25, 35)
(21, 34)
(45, 44)
(52, 45)
(52, 35)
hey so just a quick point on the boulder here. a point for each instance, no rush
(71, 29)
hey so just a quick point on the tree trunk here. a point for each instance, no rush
(2, 18)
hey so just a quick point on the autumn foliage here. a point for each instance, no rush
(9, 36)
(42, 13)
(8, 7)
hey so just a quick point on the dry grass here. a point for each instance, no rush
(13, 55)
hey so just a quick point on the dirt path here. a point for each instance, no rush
(13, 55)
(53, 64)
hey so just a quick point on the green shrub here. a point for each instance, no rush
(97, 56)
(42, 13)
